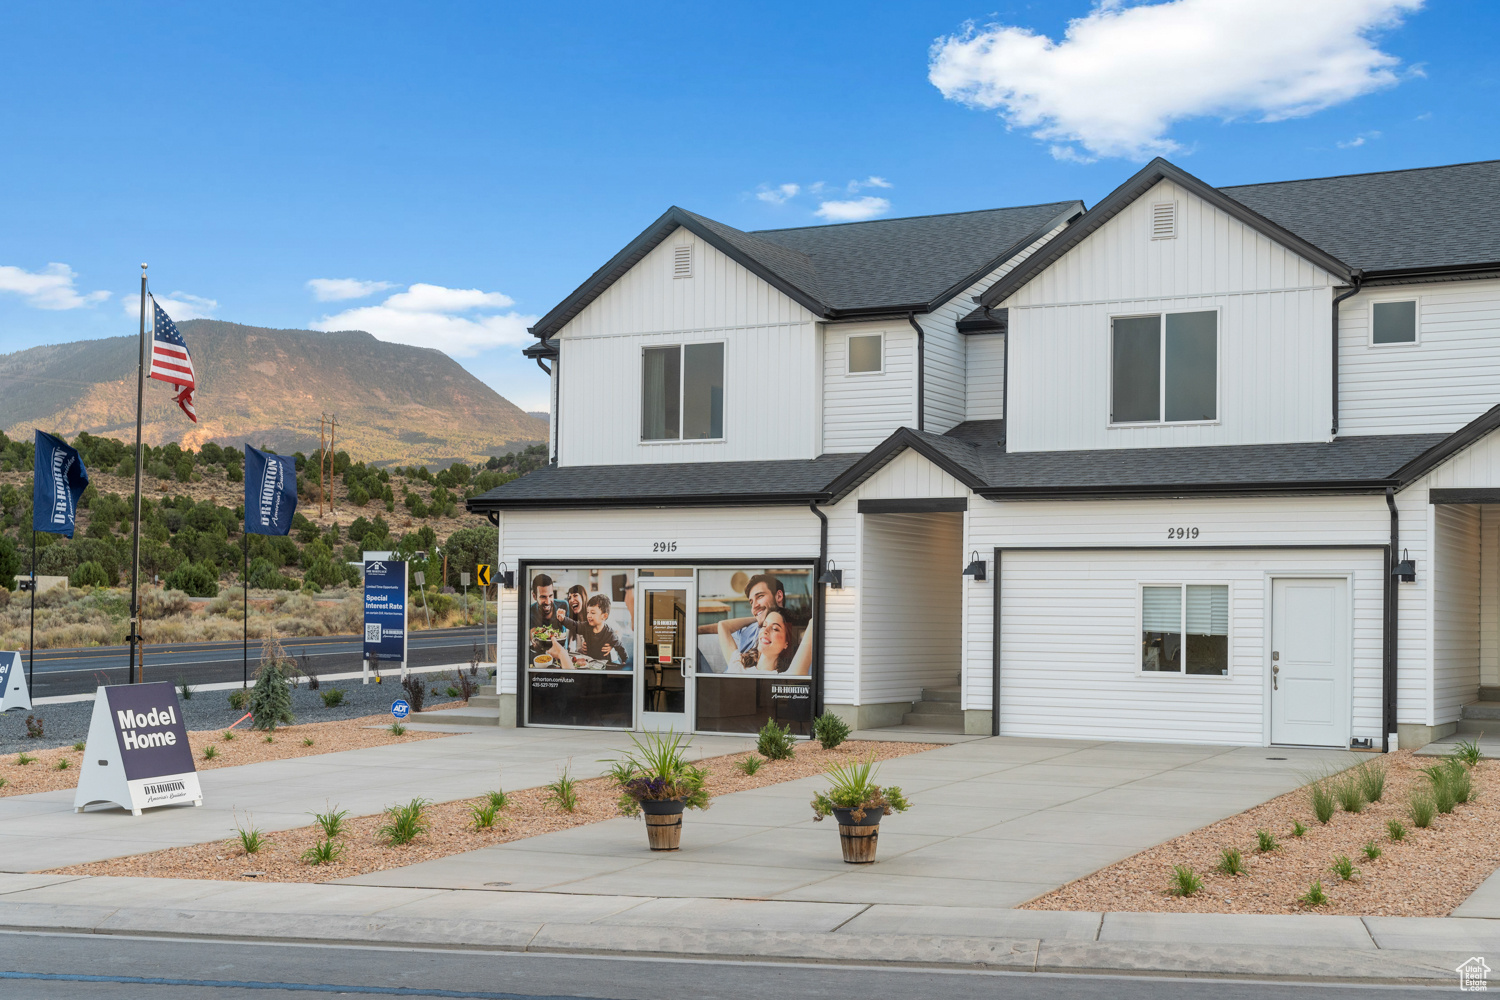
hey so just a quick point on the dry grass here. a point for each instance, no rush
(249, 746)
(1425, 875)
(528, 814)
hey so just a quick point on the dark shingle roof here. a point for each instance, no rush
(846, 270)
(668, 484)
(896, 262)
(1430, 217)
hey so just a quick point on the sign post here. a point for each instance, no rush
(137, 754)
(13, 692)
(385, 611)
(484, 601)
(464, 579)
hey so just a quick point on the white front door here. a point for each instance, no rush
(1310, 666)
(666, 645)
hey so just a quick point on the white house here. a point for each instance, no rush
(1198, 464)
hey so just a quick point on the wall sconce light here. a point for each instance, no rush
(506, 577)
(832, 577)
(975, 567)
(1406, 569)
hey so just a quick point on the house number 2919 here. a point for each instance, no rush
(1182, 532)
(663, 546)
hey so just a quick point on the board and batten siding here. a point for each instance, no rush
(1455, 590)
(1447, 378)
(1071, 645)
(986, 394)
(1489, 596)
(861, 410)
(911, 610)
(772, 387)
(1274, 309)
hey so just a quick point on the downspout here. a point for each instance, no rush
(819, 605)
(1357, 278)
(556, 414)
(1004, 380)
(911, 318)
(1393, 628)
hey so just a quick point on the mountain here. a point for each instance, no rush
(396, 405)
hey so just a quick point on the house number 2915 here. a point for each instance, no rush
(1182, 532)
(663, 546)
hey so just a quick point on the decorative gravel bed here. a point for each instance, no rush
(527, 813)
(1425, 875)
(248, 747)
(66, 723)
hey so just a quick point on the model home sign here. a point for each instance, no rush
(137, 754)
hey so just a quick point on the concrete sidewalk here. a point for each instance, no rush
(1350, 949)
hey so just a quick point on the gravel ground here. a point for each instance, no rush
(451, 830)
(68, 723)
(1425, 874)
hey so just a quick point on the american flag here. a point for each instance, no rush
(170, 361)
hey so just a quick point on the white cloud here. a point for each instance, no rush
(53, 287)
(778, 195)
(339, 289)
(178, 305)
(869, 182)
(458, 321)
(1123, 74)
(854, 210)
(1358, 140)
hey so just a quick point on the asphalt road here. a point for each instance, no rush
(77, 671)
(56, 966)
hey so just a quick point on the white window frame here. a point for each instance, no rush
(1416, 341)
(849, 373)
(1161, 374)
(1140, 629)
(682, 347)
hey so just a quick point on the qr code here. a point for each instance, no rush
(372, 632)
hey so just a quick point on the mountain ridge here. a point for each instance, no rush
(396, 404)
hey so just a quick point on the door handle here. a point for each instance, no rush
(1275, 685)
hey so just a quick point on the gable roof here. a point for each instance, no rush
(1118, 199)
(1430, 218)
(844, 271)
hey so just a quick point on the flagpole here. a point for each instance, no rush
(31, 644)
(135, 544)
(245, 595)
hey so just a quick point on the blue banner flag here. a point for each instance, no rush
(270, 492)
(59, 479)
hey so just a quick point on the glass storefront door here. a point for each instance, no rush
(666, 610)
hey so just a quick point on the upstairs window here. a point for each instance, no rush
(682, 392)
(1185, 630)
(1393, 322)
(867, 354)
(1164, 368)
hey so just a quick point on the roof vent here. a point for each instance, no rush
(1164, 221)
(682, 261)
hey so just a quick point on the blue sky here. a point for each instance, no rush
(442, 173)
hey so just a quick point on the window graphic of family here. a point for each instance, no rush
(769, 641)
(579, 631)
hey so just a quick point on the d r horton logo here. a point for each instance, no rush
(131, 721)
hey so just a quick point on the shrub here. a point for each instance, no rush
(210, 752)
(271, 699)
(1320, 796)
(482, 815)
(89, 574)
(324, 852)
(1184, 881)
(193, 579)
(1344, 868)
(397, 729)
(774, 742)
(238, 700)
(1265, 842)
(332, 697)
(416, 691)
(33, 728)
(251, 840)
(852, 786)
(62, 764)
(1231, 862)
(830, 730)
(79, 746)
(228, 736)
(1315, 896)
(466, 684)
(1395, 829)
(749, 765)
(1371, 779)
(184, 690)
(406, 823)
(24, 758)
(1372, 850)
(332, 821)
(1444, 791)
(1350, 795)
(563, 792)
(1422, 809)
(1468, 752)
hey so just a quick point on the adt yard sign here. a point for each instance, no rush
(137, 753)
(400, 709)
(13, 693)
(385, 610)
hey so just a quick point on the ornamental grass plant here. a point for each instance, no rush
(655, 769)
(852, 786)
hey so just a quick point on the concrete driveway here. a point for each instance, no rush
(996, 822)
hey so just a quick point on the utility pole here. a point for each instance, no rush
(322, 450)
(333, 419)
